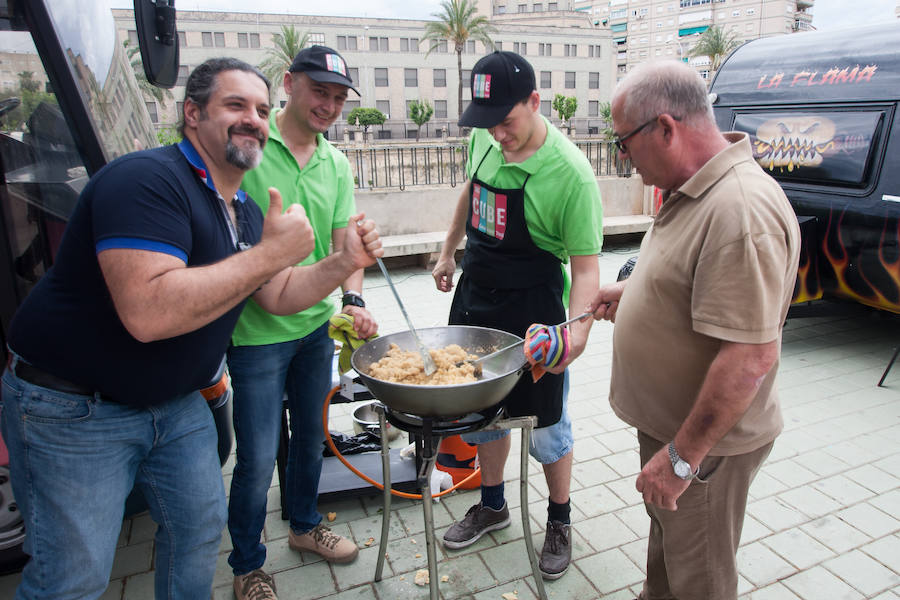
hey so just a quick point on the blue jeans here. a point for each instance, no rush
(74, 459)
(260, 376)
(548, 444)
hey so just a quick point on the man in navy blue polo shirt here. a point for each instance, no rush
(109, 349)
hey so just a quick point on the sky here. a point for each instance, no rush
(828, 15)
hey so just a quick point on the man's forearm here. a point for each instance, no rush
(730, 386)
(157, 297)
(457, 229)
(585, 281)
(300, 287)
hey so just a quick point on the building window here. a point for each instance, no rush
(501, 10)
(411, 77)
(440, 109)
(520, 48)
(353, 72)
(593, 81)
(470, 46)
(546, 78)
(154, 115)
(570, 80)
(179, 109)
(751, 11)
(182, 40)
(570, 49)
(497, 46)
(593, 108)
(594, 51)
(440, 77)
(378, 44)
(704, 74)
(132, 38)
(442, 46)
(220, 39)
(552, 5)
(467, 78)
(537, 7)
(254, 40)
(243, 40)
(316, 39)
(409, 44)
(206, 37)
(545, 50)
(349, 105)
(523, 8)
(346, 42)
(182, 75)
(381, 77)
(384, 106)
(546, 108)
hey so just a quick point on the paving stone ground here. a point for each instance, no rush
(823, 520)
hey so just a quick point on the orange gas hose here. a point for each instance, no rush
(362, 475)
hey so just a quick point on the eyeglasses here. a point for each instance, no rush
(619, 141)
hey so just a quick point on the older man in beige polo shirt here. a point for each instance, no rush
(698, 328)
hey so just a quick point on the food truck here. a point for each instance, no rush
(821, 112)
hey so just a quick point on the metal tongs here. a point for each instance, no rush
(477, 361)
(427, 361)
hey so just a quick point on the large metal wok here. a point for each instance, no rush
(500, 372)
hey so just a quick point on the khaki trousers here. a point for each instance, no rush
(691, 551)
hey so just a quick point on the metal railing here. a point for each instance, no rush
(404, 165)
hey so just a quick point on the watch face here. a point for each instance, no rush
(682, 469)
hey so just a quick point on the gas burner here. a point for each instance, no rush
(442, 426)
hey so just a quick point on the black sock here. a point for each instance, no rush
(558, 512)
(492, 496)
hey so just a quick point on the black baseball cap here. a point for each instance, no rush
(500, 80)
(324, 65)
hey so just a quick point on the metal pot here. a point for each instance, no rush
(500, 373)
(365, 417)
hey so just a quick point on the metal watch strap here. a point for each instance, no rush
(676, 459)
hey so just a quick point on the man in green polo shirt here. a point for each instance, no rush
(271, 355)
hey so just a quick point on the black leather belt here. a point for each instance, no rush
(35, 376)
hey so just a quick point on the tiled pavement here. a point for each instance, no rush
(823, 521)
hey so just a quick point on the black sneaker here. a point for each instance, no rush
(557, 551)
(478, 521)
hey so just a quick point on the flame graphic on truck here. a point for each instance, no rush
(792, 142)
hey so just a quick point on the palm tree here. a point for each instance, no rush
(715, 43)
(161, 95)
(457, 23)
(279, 58)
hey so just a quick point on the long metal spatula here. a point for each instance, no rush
(477, 361)
(430, 367)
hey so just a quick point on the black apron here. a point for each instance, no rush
(508, 283)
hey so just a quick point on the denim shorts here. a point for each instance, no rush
(548, 444)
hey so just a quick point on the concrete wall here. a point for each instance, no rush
(429, 209)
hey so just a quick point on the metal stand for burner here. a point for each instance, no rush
(428, 433)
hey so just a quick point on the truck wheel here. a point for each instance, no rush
(12, 528)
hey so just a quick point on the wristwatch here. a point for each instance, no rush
(351, 298)
(681, 467)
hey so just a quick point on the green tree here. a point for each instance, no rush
(716, 43)
(565, 107)
(167, 136)
(279, 58)
(365, 117)
(161, 95)
(420, 111)
(30, 94)
(605, 112)
(457, 23)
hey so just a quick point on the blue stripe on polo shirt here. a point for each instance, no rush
(141, 244)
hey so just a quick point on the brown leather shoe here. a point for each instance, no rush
(255, 585)
(324, 542)
(557, 551)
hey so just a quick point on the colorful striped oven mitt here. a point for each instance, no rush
(340, 328)
(545, 347)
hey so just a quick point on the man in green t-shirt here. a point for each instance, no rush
(272, 356)
(531, 205)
